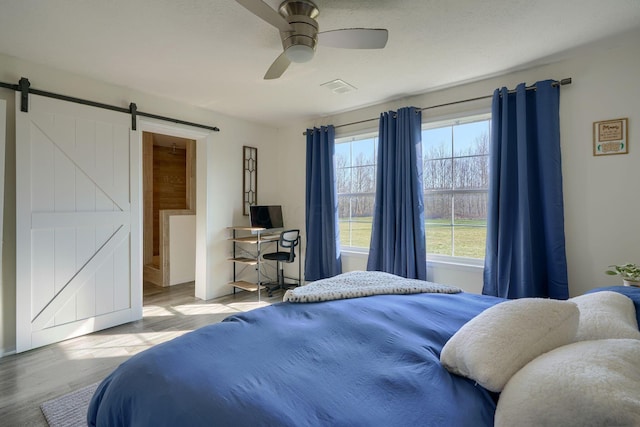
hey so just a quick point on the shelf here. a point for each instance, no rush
(254, 239)
(252, 256)
(241, 260)
(247, 286)
(243, 228)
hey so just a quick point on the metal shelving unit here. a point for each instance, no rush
(257, 238)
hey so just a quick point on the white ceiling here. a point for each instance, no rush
(213, 53)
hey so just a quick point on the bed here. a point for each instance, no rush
(350, 361)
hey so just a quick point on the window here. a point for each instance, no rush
(455, 183)
(356, 182)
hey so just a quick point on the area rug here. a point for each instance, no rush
(69, 409)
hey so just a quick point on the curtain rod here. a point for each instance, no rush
(562, 82)
(24, 86)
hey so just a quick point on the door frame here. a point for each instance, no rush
(204, 223)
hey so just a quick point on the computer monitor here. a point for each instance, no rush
(266, 216)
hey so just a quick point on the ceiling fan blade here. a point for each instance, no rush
(355, 38)
(278, 67)
(266, 13)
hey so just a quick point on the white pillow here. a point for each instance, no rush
(494, 345)
(606, 315)
(588, 383)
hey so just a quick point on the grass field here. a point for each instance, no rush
(468, 237)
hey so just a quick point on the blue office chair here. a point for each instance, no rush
(289, 239)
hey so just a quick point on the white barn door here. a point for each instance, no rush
(78, 257)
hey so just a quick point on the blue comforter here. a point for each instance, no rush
(370, 361)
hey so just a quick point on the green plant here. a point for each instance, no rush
(628, 271)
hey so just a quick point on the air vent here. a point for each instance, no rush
(339, 86)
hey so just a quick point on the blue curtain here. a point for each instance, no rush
(323, 239)
(525, 253)
(397, 235)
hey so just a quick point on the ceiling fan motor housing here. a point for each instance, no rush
(300, 44)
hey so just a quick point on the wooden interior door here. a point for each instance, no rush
(78, 253)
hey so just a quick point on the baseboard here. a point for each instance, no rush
(4, 353)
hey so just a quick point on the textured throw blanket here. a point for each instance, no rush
(357, 284)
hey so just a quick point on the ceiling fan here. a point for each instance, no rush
(296, 20)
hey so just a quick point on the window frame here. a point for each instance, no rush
(431, 123)
(437, 122)
(353, 137)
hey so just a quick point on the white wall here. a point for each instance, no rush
(223, 161)
(602, 223)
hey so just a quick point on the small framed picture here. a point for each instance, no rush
(610, 137)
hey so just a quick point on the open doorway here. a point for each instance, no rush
(169, 209)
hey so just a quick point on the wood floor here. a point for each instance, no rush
(33, 377)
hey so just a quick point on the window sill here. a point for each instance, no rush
(354, 253)
(468, 264)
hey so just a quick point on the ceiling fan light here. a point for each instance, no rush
(299, 53)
